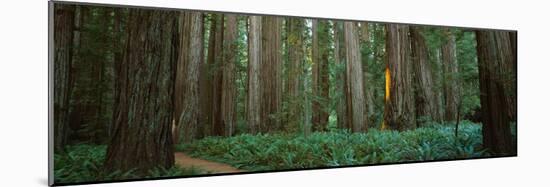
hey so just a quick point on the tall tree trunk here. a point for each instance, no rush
(144, 107)
(512, 86)
(451, 80)
(296, 58)
(320, 84)
(187, 78)
(370, 112)
(355, 97)
(74, 108)
(341, 85)
(425, 96)
(205, 80)
(399, 111)
(254, 59)
(118, 57)
(63, 42)
(215, 62)
(496, 80)
(271, 72)
(228, 100)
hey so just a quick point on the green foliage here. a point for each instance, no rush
(340, 148)
(84, 163)
(467, 62)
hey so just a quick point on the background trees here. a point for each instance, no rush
(296, 50)
(320, 74)
(425, 91)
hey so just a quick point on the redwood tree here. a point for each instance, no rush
(340, 61)
(271, 72)
(63, 42)
(320, 74)
(228, 95)
(254, 58)
(187, 78)
(426, 98)
(295, 48)
(142, 139)
(497, 82)
(451, 81)
(355, 97)
(399, 111)
(215, 64)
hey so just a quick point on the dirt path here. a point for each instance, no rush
(186, 161)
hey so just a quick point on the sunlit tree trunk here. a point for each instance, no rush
(254, 59)
(355, 97)
(63, 42)
(271, 72)
(496, 80)
(399, 111)
(425, 97)
(146, 83)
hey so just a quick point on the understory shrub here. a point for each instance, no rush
(340, 148)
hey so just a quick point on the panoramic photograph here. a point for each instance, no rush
(148, 93)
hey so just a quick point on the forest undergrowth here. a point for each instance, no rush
(341, 148)
(82, 163)
(292, 151)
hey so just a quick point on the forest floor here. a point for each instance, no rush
(185, 161)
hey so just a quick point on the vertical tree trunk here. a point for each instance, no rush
(425, 97)
(451, 80)
(254, 59)
(512, 69)
(144, 107)
(271, 72)
(340, 61)
(228, 100)
(63, 42)
(370, 112)
(179, 85)
(215, 62)
(187, 78)
(355, 97)
(117, 45)
(205, 80)
(399, 111)
(495, 57)
(74, 108)
(320, 53)
(296, 57)
(315, 105)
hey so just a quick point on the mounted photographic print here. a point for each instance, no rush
(141, 93)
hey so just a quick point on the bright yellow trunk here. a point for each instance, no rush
(387, 96)
(387, 84)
